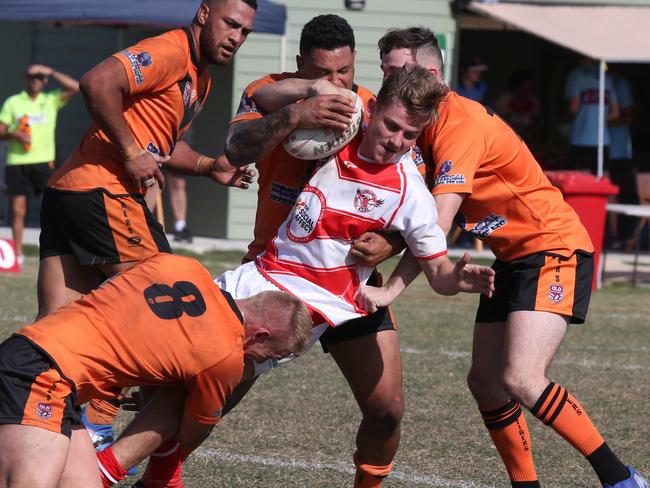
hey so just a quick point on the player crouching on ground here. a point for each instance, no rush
(162, 322)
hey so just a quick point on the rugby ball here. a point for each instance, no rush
(322, 142)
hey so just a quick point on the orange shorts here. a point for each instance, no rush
(543, 282)
(33, 391)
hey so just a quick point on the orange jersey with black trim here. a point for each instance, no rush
(281, 176)
(163, 321)
(509, 203)
(166, 90)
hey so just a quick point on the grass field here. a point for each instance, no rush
(296, 428)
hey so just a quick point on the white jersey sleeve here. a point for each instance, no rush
(417, 218)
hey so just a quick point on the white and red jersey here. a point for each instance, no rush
(347, 196)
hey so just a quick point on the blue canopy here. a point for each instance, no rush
(270, 17)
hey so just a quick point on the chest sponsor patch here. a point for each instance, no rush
(444, 178)
(307, 212)
(488, 225)
(286, 195)
(366, 200)
(556, 293)
(152, 148)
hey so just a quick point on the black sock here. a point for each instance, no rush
(608, 467)
(525, 484)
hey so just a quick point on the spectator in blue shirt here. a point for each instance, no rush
(582, 93)
(622, 170)
(470, 85)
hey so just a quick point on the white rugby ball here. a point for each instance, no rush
(322, 142)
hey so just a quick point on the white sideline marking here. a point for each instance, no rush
(340, 467)
(583, 363)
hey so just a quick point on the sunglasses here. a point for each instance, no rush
(37, 77)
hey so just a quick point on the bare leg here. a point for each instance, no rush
(372, 366)
(531, 341)
(18, 210)
(61, 279)
(177, 196)
(158, 421)
(484, 378)
(81, 470)
(31, 457)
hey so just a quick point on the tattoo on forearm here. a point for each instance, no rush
(253, 140)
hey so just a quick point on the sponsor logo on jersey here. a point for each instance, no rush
(488, 225)
(134, 241)
(556, 293)
(286, 195)
(247, 105)
(366, 200)
(349, 164)
(444, 178)
(44, 410)
(416, 155)
(135, 66)
(144, 59)
(307, 212)
(187, 93)
(152, 148)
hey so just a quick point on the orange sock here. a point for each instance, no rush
(509, 432)
(369, 475)
(102, 412)
(558, 409)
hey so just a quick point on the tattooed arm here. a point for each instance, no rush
(253, 140)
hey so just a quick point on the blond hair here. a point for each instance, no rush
(278, 307)
(416, 89)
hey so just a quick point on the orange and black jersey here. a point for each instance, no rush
(281, 176)
(163, 321)
(166, 90)
(508, 201)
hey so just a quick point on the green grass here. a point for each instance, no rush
(296, 428)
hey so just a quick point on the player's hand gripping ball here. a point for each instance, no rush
(322, 142)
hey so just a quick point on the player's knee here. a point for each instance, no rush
(479, 381)
(517, 382)
(384, 413)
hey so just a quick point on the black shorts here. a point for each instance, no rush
(32, 389)
(543, 282)
(98, 227)
(25, 179)
(382, 319)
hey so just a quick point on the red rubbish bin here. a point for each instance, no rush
(588, 196)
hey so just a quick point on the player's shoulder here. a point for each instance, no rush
(460, 114)
(268, 79)
(171, 44)
(363, 92)
(14, 99)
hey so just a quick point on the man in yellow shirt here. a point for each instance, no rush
(28, 121)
